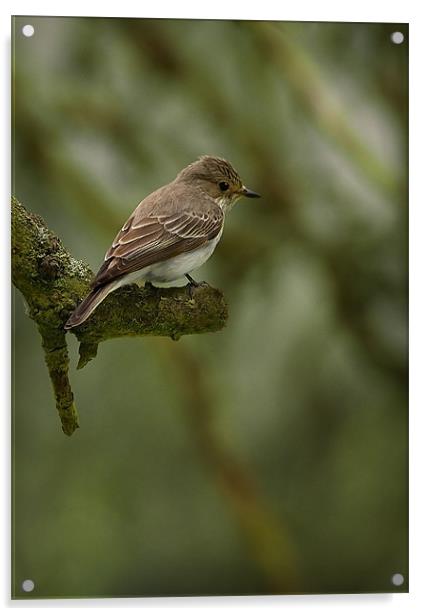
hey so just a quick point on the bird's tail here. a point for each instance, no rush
(88, 305)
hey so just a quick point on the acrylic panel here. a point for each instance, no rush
(244, 436)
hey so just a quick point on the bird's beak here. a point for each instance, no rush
(246, 192)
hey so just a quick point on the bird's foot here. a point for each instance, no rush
(193, 284)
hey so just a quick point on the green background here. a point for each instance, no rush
(269, 457)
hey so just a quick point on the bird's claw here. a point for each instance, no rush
(193, 284)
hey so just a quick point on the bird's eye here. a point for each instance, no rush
(223, 186)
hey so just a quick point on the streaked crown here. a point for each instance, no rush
(211, 168)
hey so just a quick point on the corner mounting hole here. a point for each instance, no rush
(397, 38)
(28, 30)
(397, 579)
(28, 585)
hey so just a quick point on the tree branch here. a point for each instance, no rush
(53, 282)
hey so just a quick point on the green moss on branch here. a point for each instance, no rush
(53, 282)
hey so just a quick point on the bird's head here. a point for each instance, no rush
(218, 178)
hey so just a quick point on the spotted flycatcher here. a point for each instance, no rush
(172, 232)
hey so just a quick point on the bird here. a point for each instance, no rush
(172, 232)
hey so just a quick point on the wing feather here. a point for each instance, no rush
(156, 237)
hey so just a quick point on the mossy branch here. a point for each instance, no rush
(53, 282)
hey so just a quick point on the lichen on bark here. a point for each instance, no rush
(53, 282)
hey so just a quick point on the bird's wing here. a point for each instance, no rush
(152, 238)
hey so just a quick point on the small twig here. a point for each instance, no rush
(57, 361)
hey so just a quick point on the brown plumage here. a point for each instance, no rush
(175, 227)
(150, 235)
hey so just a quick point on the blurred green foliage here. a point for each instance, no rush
(271, 457)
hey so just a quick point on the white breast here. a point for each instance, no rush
(176, 267)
